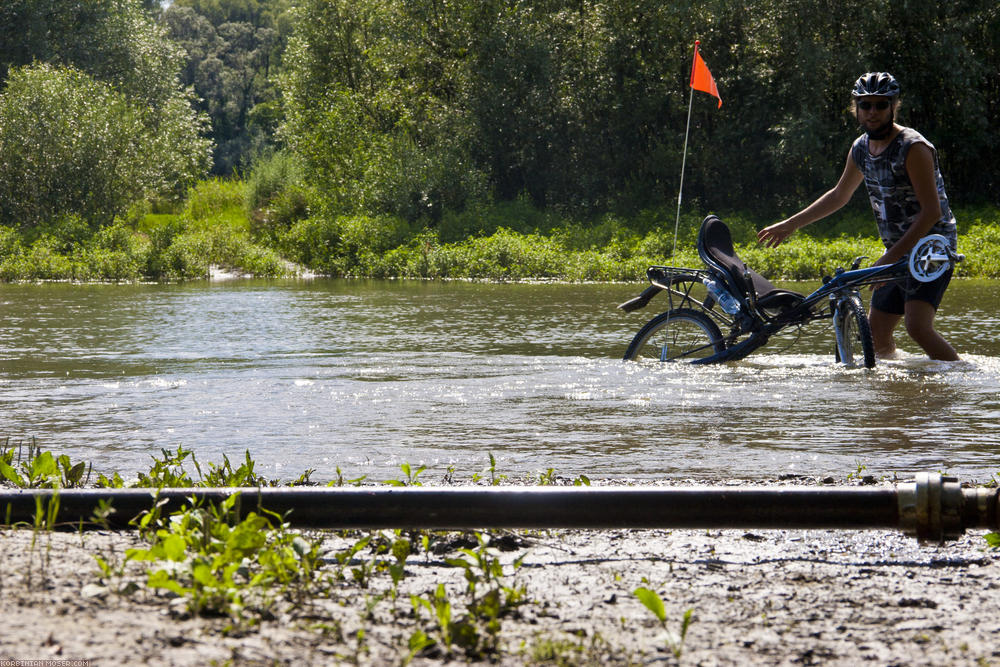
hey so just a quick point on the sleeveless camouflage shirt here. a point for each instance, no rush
(891, 192)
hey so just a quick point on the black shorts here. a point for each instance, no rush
(892, 298)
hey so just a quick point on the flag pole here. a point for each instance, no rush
(680, 187)
(687, 129)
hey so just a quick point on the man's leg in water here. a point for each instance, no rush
(919, 319)
(883, 324)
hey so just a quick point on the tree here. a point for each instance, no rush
(114, 41)
(373, 106)
(233, 49)
(126, 59)
(70, 145)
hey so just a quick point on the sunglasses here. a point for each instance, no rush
(881, 105)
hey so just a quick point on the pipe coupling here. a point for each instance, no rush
(931, 507)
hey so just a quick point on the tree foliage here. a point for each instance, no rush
(93, 115)
(114, 41)
(417, 106)
(71, 145)
(67, 143)
(233, 51)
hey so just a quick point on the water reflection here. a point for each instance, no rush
(366, 375)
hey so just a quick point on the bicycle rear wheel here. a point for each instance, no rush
(680, 334)
(853, 333)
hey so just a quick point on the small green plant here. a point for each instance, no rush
(389, 551)
(101, 513)
(225, 475)
(340, 481)
(38, 468)
(113, 482)
(400, 549)
(168, 471)
(419, 640)
(302, 480)
(439, 606)
(111, 566)
(223, 565)
(488, 599)
(495, 479)
(652, 601)
(344, 558)
(411, 476)
(566, 651)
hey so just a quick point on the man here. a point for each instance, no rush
(900, 170)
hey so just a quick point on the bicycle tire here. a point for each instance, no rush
(853, 333)
(681, 334)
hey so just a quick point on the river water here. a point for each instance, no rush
(363, 376)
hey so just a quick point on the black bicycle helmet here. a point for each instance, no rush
(882, 84)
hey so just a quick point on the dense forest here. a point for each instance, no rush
(354, 128)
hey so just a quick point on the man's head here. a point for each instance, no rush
(875, 97)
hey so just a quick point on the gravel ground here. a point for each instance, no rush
(762, 597)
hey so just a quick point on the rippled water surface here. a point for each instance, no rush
(364, 376)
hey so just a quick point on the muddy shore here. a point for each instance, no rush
(756, 597)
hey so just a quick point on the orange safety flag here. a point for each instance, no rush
(701, 78)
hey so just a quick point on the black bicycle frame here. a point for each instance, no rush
(761, 327)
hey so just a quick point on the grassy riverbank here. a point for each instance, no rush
(228, 224)
(204, 586)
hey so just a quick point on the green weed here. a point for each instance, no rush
(652, 601)
(222, 565)
(260, 226)
(859, 471)
(40, 469)
(474, 631)
(168, 471)
(340, 481)
(226, 476)
(361, 574)
(495, 478)
(411, 476)
(566, 652)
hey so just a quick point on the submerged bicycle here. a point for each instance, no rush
(727, 296)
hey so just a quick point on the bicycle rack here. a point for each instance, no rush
(930, 508)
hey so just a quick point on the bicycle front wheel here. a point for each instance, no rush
(853, 333)
(680, 334)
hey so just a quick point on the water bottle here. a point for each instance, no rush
(723, 297)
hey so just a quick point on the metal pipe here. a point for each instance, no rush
(931, 507)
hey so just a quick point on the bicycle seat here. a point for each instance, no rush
(715, 246)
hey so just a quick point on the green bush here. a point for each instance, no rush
(71, 145)
(518, 215)
(505, 255)
(187, 256)
(981, 247)
(808, 258)
(275, 196)
(214, 198)
(115, 253)
(68, 144)
(44, 260)
(11, 254)
(315, 243)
